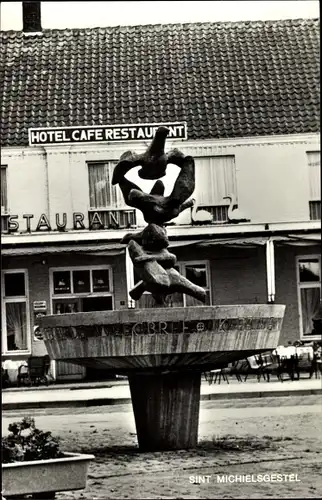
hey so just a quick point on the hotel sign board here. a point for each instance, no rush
(103, 133)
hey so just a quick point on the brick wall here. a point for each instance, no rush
(238, 276)
(286, 287)
(39, 289)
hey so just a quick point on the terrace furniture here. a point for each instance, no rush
(36, 371)
(271, 363)
(5, 382)
(291, 360)
(254, 365)
(235, 369)
(216, 375)
(316, 366)
(305, 360)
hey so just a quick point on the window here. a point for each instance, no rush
(215, 178)
(4, 199)
(314, 163)
(309, 291)
(15, 312)
(102, 194)
(196, 272)
(81, 289)
(107, 200)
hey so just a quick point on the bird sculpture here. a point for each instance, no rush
(148, 249)
(156, 207)
(235, 215)
(200, 216)
(153, 162)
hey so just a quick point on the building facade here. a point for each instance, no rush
(251, 123)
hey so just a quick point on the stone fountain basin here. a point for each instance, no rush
(204, 337)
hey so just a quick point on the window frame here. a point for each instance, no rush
(219, 211)
(74, 295)
(111, 164)
(15, 299)
(181, 265)
(312, 200)
(234, 180)
(299, 286)
(5, 208)
(182, 269)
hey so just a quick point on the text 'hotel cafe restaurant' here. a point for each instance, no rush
(253, 235)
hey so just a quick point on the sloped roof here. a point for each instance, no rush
(224, 79)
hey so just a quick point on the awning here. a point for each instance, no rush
(183, 243)
(115, 248)
(253, 242)
(309, 239)
(236, 242)
(101, 249)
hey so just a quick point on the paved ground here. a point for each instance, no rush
(118, 392)
(237, 437)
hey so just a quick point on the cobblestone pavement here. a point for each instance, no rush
(237, 437)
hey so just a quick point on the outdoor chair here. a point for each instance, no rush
(306, 364)
(236, 369)
(287, 365)
(254, 365)
(222, 374)
(217, 375)
(271, 364)
(5, 382)
(36, 371)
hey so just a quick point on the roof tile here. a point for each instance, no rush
(224, 79)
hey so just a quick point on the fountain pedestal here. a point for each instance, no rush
(166, 409)
(163, 352)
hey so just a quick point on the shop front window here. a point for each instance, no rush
(15, 314)
(196, 272)
(309, 289)
(81, 289)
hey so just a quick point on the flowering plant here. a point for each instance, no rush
(25, 443)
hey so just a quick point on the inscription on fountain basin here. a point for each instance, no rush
(164, 328)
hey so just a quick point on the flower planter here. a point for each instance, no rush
(45, 476)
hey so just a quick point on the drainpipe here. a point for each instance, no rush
(268, 271)
(272, 271)
(129, 279)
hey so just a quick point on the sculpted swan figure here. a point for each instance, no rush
(200, 216)
(235, 216)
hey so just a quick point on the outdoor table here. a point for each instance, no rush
(290, 356)
(287, 359)
(12, 368)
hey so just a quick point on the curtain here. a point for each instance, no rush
(16, 326)
(310, 301)
(145, 302)
(101, 192)
(215, 178)
(314, 163)
(4, 201)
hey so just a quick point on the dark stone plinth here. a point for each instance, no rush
(166, 410)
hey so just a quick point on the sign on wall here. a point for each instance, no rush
(104, 133)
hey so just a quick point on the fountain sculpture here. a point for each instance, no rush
(162, 350)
